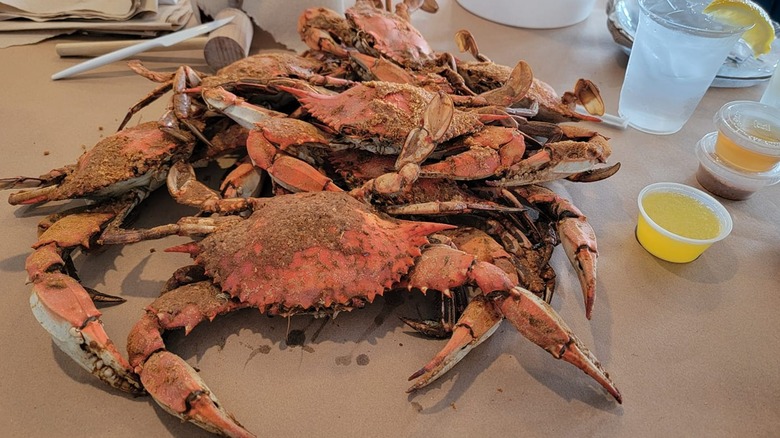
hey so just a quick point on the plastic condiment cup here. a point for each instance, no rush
(722, 179)
(673, 247)
(748, 135)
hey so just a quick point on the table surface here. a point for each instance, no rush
(693, 347)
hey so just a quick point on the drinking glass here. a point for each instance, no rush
(677, 52)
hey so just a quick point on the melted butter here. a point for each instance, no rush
(746, 159)
(761, 133)
(682, 215)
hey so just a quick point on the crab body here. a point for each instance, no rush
(384, 33)
(317, 251)
(134, 157)
(369, 29)
(380, 109)
(262, 67)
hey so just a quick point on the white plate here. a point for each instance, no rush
(740, 70)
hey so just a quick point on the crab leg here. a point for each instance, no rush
(440, 208)
(593, 175)
(419, 144)
(171, 381)
(477, 323)
(576, 234)
(26, 182)
(63, 306)
(422, 140)
(530, 255)
(579, 152)
(540, 324)
(442, 268)
(513, 90)
(491, 151)
(272, 141)
(482, 246)
(64, 309)
(382, 69)
(185, 77)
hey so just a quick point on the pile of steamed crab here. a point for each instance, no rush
(368, 163)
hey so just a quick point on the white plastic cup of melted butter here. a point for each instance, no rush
(677, 223)
(743, 156)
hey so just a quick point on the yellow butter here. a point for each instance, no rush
(682, 215)
(676, 227)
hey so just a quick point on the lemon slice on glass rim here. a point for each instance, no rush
(746, 13)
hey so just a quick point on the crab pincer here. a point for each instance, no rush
(64, 307)
(536, 320)
(189, 398)
(576, 234)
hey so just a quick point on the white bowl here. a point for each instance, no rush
(534, 14)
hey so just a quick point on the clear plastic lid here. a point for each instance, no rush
(752, 125)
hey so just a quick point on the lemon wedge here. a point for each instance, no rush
(746, 13)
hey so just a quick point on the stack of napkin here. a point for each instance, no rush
(29, 21)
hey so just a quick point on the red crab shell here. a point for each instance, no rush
(384, 109)
(264, 66)
(121, 158)
(386, 33)
(310, 251)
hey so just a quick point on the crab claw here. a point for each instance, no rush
(171, 382)
(559, 159)
(540, 324)
(189, 398)
(238, 109)
(531, 316)
(244, 181)
(478, 322)
(579, 243)
(311, 25)
(64, 309)
(597, 174)
(576, 234)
